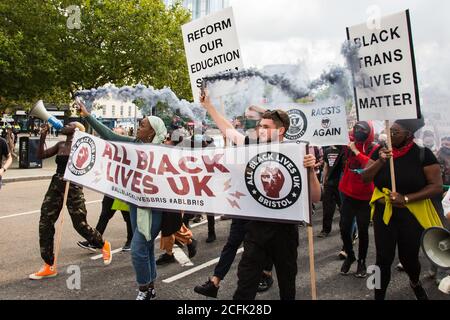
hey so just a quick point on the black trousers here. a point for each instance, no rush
(106, 215)
(235, 238)
(403, 231)
(330, 199)
(360, 209)
(265, 241)
(211, 224)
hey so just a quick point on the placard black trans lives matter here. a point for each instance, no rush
(385, 80)
(211, 46)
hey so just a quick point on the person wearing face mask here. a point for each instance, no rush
(145, 222)
(356, 196)
(399, 218)
(252, 115)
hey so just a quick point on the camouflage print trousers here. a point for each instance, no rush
(50, 210)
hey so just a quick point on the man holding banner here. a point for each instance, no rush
(265, 240)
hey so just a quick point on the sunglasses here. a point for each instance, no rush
(275, 115)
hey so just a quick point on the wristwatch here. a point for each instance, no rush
(406, 199)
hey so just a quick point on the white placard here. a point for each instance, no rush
(386, 83)
(265, 181)
(321, 123)
(212, 46)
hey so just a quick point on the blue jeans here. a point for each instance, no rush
(143, 251)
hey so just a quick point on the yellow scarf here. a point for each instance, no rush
(423, 210)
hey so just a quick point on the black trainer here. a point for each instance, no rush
(127, 246)
(207, 289)
(419, 291)
(211, 237)
(347, 264)
(87, 245)
(146, 295)
(265, 283)
(361, 270)
(192, 248)
(165, 259)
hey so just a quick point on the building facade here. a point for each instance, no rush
(117, 113)
(201, 8)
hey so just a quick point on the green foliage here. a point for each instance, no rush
(124, 42)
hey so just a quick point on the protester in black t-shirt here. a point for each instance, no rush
(418, 180)
(4, 153)
(332, 171)
(266, 240)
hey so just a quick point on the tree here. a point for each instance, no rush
(124, 42)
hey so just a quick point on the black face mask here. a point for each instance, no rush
(250, 124)
(361, 136)
(445, 150)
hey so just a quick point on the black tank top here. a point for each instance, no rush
(61, 163)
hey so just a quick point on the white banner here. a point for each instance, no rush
(212, 46)
(321, 123)
(386, 83)
(265, 181)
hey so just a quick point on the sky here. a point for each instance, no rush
(312, 31)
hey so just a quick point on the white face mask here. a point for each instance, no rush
(429, 143)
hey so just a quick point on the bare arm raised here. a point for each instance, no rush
(222, 123)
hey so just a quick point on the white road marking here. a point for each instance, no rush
(195, 269)
(99, 256)
(181, 257)
(38, 211)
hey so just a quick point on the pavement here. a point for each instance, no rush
(16, 174)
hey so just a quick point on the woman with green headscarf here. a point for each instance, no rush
(146, 222)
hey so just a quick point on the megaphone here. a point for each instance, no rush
(40, 112)
(436, 246)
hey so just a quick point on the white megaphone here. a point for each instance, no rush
(436, 246)
(40, 112)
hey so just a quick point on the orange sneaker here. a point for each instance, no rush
(46, 271)
(106, 252)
